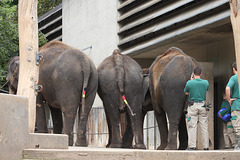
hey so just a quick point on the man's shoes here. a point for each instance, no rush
(191, 149)
(206, 149)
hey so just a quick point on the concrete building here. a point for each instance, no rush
(145, 29)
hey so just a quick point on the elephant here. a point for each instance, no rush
(146, 106)
(69, 83)
(13, 73)
(168, 75)
(120, 87)
(147, 103)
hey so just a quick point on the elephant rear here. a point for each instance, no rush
(120, 88)
(69, 80)
(116, 74)
(65, 71)
(168, 76)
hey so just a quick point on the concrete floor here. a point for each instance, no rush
(87, 153)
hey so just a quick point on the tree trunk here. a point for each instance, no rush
(28, 47)
(235, 20)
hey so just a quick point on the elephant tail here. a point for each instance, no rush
(86, 74)
(118, 59)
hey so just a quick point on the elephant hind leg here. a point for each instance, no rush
(83, 114)
(57, 120)
(81, 132)
(69, 117)
(174, 121)
(109, 132)
(136, 121)
(112, 114)
(183, 135)
(163, 129)
(41, 119)
(172, 136)
(128, 133)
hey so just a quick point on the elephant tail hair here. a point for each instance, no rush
(118, 59)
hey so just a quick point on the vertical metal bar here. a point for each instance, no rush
(155, 134)
(147, 131)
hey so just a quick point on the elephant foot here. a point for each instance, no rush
(127, 145)
(116, 145)
(182, 147)
(108, 145)
(168, 148)
(171, 147)
(161, 147)
(81, 143)
(139, 146)
(70, 143)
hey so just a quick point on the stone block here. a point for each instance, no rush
(48, 141)
(14, 130)
(13, 126)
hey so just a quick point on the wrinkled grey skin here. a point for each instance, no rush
(120, 75)
(63, 73)
(146, 106)
(168, 76)
(147, 103)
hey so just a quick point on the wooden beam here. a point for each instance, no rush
(28, 47)
(235, 20)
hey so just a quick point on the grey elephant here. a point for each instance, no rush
(70, 81)
(146, 106)
(168, 76)
(120, 86)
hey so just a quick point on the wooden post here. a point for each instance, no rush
(28, 48)
(235, 20)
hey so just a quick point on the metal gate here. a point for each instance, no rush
(97, 131)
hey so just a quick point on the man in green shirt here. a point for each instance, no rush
(196, 89)
(228, 131)
(232, 93)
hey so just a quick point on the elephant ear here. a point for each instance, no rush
(13, 68)
(16, 69)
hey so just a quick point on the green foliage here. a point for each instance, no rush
(46, 5)
(9, 36)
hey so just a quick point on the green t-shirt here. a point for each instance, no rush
(197, 89)
(233, 84)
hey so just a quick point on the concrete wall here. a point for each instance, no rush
(91, 23)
